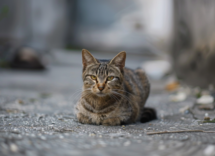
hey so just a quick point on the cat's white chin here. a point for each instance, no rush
(100, 94)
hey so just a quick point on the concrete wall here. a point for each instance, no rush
(113, 25)
(193, 48)
(123, 24)
(37, 23)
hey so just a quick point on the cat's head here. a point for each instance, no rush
(102, 77)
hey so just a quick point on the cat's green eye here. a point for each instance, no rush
(93, 77)
(110, 78)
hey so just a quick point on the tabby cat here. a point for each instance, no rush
(112, 94)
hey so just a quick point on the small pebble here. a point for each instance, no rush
(182, 118)
(13, 148)
(162, 147)
(209, 150)
(15, 131)
(127, 143)
(43, 138)
(91, 134)
(61, 136)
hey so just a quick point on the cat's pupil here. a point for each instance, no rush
(110, 78)
(93, 77)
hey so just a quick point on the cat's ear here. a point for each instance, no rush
(119, 60)
(87, 58)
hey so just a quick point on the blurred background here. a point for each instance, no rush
(41, 74)
(41, 41)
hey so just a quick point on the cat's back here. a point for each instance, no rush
(136, 83)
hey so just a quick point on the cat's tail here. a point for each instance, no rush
(148, 114)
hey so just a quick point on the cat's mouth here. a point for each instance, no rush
(100, 94)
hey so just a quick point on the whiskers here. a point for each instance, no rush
(123, 91)
(114, 97)
(115, 94)
(80, 94)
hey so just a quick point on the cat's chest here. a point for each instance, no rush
(99, 107)
(101, 113)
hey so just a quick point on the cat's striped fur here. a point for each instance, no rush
(112, 94)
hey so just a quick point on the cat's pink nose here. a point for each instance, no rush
(101, 88)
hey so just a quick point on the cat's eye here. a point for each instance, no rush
(110, 78)
(93, 77)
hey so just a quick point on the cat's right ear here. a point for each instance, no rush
(87, 59)
(119, 60)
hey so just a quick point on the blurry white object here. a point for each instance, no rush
(180, 96)
(209, 150)
(156, 69)
(205, 99)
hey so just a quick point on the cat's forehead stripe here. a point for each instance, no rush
(102, 70)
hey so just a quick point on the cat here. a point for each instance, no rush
(112, 94)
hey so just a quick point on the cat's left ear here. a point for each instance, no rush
(119, 60)
(87, 59)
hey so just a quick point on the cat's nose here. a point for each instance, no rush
(101, 88)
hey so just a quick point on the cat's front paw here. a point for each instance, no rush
(83, 119)
(111, 122)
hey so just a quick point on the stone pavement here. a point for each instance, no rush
(36, 118)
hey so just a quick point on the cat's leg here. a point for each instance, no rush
(114, 121)
(124, 118)
(124, 113)
(83, 119)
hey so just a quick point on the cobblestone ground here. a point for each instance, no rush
(36, 118)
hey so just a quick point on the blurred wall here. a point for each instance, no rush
(113, 25)
(123, 24)
(41, 24)
(194, 41)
